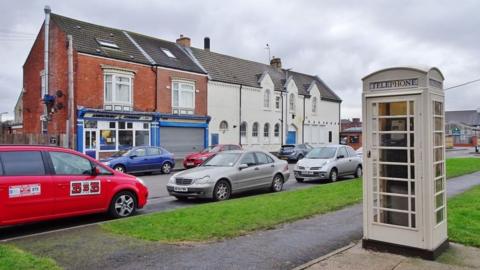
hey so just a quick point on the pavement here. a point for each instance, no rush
(284, 247)
(354, 257)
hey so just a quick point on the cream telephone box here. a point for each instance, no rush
(404, 197)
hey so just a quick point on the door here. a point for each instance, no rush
(76, 189)
(182, 140)
(291, 137)
(214, 139)
(247, 177)
(26, 192)
(342, 161)
(137, 160)
(154, 159)
(267, 168)
(392, 169)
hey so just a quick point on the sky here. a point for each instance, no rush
(340, 41)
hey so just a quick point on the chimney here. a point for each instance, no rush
(206, 44)
(276, 62)
(183, 41)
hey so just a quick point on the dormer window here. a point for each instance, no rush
(168, 53)
(107, 43)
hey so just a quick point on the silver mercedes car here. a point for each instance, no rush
(230, 172)
(328, 162)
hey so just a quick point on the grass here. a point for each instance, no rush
(14, 258)
(461, 166)
(464, 218)
(232, 218)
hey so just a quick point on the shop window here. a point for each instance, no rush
(125, 139)
(108, 140)
(142, 137)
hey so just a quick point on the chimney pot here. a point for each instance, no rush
(183, 41)
(47, 9)
(276, 62)
(206, 43)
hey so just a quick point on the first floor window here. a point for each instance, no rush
(266, 99)
(183, 95)
(255, 130)
(276, 130)
(243, 129)
(314, 104)
(118, 89)
(266, 130)
(277, 102)
(292, 103)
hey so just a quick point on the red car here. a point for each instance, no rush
(41, 183)
(195, 159)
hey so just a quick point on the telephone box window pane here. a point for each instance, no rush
(412, 188)
(412, 126)
(438, 108)
(438, 169)
(440, 215)
(438, 154)
(438, 139)
(393, 155)
(413, 221)
(438, 185)
(394, 202)
(438, 124)
(412, 108)
(396, 171)
(394, 218)
(439, 200)
(412, 156)
(393, 140)
(412, 172)
(393, 108)
(392, 186)
(412, 140)
(412, 204)
(393, 124)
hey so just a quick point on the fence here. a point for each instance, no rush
(37, 139)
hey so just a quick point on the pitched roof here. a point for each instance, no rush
(87, 38)
(229, 69)
(469, 117)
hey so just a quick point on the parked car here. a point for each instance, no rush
(41, 183)
(141, 159)
(359, 152)
(195, 159)
(230, 172)
(329, 162)
(293, 152)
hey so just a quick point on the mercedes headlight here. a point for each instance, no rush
(172, 180)
(202, 180)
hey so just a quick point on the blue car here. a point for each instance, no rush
(141, 159)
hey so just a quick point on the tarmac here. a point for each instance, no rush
(355, 257)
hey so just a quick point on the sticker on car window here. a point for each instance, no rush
(84, 187)
(24, 190)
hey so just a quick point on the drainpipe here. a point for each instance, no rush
(155, 102)
(240, 118)
(303, 122)
(70, 106)
(282, 129)
(46, 60)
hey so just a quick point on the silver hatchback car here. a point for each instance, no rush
(230, 172)
(329, 162)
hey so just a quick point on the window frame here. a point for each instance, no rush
(255, 130)
(291, 103)
(243, 132)
(266, 130)
(46, 169)
(267, 99)
(276, 133)
(314, 105)
(278, 101)
(115, 75)
(92, 165)
(180, 106)
(223, 128)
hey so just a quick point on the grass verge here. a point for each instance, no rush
(464, 218)
(14, 258)
(228, 219)
(461, 166)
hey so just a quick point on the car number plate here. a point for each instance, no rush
(190, 164)
(180, 189)
(307, 173)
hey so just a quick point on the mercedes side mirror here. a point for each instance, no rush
(242, 166)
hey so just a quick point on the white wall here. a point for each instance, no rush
(223, 104)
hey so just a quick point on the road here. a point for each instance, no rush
(159, 200)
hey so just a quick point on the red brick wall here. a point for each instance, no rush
(33, 106)
(165, 78)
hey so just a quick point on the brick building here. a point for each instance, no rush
(115, 89)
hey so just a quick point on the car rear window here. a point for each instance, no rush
(23, 163)
(262, 158)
